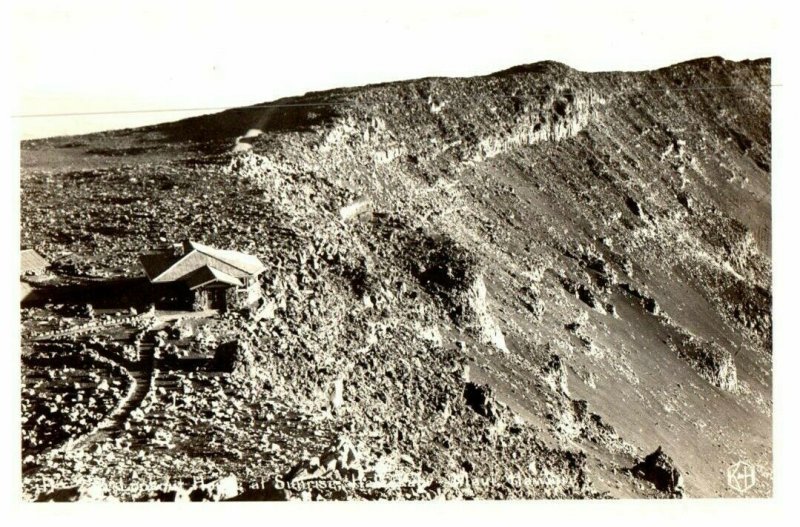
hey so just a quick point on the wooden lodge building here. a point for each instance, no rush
(205, 277)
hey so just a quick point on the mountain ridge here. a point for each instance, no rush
(523, 69)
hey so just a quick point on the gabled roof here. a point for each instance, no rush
(30, 260)
(245, 262)
(156, 263)
(199, 265)
(207, 275)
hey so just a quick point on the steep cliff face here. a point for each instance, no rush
(594, 247)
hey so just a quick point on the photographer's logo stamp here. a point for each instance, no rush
(741, 476)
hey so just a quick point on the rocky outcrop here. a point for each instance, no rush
(479, 398)
(235, 357)
(659, 469)
(477, 316)
(713, 362)
(560, 116)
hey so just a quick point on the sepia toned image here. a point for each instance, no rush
(540, 281)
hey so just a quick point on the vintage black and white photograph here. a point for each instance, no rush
(266, 258)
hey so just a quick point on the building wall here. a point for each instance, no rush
(248, 295)
(200, 301)
(212, 298)
(234, 297)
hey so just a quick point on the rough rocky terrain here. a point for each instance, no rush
(539, 283)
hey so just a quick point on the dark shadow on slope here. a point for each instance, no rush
(119, 293)
(217, 132)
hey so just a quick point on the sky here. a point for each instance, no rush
(83, 66)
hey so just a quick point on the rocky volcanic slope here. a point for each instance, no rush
(557, 273)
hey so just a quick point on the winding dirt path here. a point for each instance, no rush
(141, 373)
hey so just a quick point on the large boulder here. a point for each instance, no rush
(235, 357)
(479, 398)
(659, 469)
